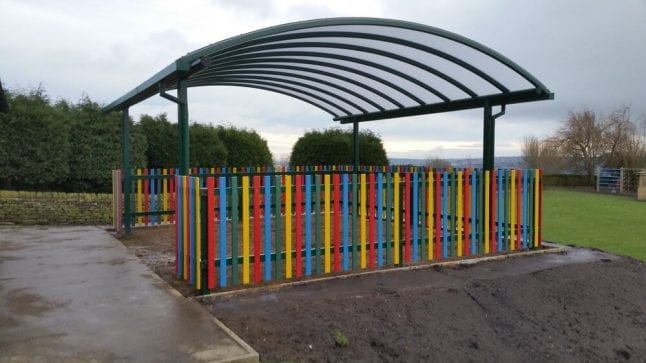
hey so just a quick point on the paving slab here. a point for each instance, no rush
(76, 294)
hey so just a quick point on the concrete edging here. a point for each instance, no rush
(551, 248)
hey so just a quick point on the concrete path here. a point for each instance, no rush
(75, 294)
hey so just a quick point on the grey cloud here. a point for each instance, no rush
(257, 8)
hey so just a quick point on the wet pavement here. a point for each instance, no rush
(75, 294)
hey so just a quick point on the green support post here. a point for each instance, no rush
(489, 139)
(489, 142)
(182, 124)
(125, 142)
(355, 145)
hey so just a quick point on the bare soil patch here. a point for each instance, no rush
(580, 306)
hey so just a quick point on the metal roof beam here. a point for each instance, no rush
(527, 95)
(282, 81)
(272, 89)
(261, 65)
(394, 40)
(250, 73)
(287, 54)
(358, 48)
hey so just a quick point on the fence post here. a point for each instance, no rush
(117, 201)
(598, 171)
(125, 142)
(621, 181)
(204, 238)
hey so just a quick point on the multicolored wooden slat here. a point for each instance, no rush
(267, 227)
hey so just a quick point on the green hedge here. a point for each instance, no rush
(566, 180)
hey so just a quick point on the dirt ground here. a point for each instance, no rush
(579, 306)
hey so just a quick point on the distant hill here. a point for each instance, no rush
(504, 162)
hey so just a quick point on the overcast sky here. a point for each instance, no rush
(590, 53)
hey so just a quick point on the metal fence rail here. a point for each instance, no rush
(618, 181)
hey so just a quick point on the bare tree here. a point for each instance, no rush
(582, 141)
(436, 162)
(619, 136)
(543, 154)
(531, 150)
(586, 141)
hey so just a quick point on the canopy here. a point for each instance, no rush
(355, 69)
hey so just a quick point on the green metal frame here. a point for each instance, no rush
(352, 68)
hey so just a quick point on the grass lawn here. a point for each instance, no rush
(611, 223)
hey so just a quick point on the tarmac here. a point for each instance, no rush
(76, 294)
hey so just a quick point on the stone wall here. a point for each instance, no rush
(55, 208)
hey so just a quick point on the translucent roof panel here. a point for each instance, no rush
(356, 69)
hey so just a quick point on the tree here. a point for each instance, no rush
(95, 146)
(34, 143)
(244, 147)
(328, 147)
(587, 141)
(161, 137)
(581, 139)
(542, 154)
(624, 147)
(206, 147)
(334, 147)
(437, 163)
(4, 106)
(371, 149)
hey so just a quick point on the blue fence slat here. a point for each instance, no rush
(445, 217)
(180, 226)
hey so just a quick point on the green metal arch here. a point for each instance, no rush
(250, 73)
(252, 65)
(286, 63)
(307, 24)
(364, 62)
(271, 89)
(248, 46)
(365, 49)
(287, 57)
(285, 82)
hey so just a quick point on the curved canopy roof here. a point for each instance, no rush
(355, 69)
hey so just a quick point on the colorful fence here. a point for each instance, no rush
(253, 229)
(152, 196)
